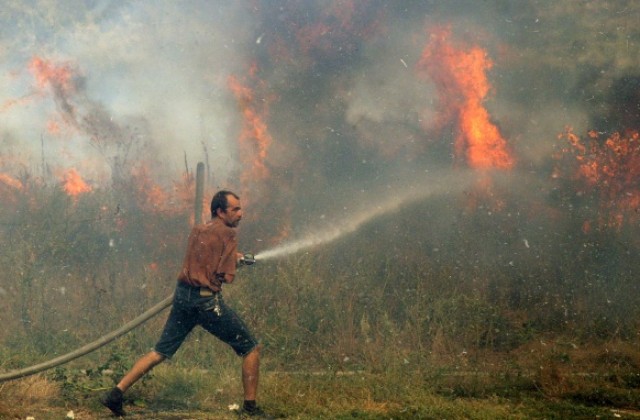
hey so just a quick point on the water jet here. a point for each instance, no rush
(322, 235)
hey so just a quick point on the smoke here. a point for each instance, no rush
(371, 204)
(385, 105)
(344, 100)
(149, 71)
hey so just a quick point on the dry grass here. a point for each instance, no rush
(20, 397)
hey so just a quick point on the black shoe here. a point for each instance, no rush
(255, 412)
(113, 401)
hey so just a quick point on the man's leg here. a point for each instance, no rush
(230, 329)
(113, 399)
(142, 366)
(176, 329)
(250, 374)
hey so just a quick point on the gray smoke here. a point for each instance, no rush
(346, 105)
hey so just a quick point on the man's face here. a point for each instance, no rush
(232, 216)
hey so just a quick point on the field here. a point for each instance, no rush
(359, 328)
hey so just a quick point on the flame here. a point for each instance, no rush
(608, 170)
(62, 81)
(461, 80)
(9, 186)
(154, 198)
(11, 182)
(255, 138)
(150, 196)
(59, 77)
(15, 102)
(73, 184)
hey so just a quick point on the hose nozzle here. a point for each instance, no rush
(248, 259)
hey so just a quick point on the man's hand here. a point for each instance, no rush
(246, 259)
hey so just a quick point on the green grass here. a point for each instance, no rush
(174, 392)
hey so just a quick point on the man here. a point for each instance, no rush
(210, 261)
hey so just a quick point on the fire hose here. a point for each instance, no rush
(247, 259)
(105, 339)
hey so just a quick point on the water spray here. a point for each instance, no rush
(330, 233)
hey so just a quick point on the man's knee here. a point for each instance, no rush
(156, 358)
(255, 352)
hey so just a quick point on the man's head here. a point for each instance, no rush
(226, 206)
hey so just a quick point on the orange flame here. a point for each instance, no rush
(14, 102)
(9, 186)
(254, 138)
(60, 77)
(609, 169)
(73, 184)
(10, 181)
(150, 196)
(154, 198)
(460, 77)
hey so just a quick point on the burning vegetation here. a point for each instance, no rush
(73, 184)
(460, 77)
(339, 115)
(254, 139)
(605, 172)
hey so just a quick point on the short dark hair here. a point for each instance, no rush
(220, 201)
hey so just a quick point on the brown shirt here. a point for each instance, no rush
(211, 256)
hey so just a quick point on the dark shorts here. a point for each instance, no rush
(196, 306)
